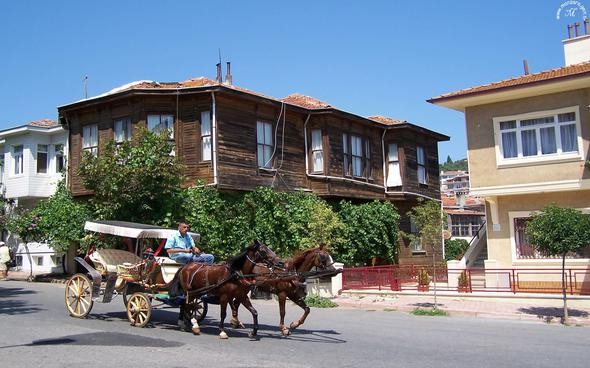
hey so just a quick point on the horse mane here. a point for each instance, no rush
(237, 262)
(300, 256)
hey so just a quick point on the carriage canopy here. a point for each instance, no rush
(133, 230)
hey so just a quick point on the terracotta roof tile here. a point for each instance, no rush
(305, 101)
(544, 76)
(43, 123)
(386, 120)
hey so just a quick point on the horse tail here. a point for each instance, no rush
(174, 287)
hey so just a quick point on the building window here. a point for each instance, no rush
(394, 177)
(345, 155)
(60, 159)
(161, 122)
(206, 136)
(356, 144)
(264, 145)
(538, 136)
(17, 156)
(421, 161)
(42, 159)
(416, 242)
(90, 139)
(317, 153)
(367, 168)
(122, 130)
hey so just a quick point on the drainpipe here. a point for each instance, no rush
(384, 161)
(305, 140)
(214, 138)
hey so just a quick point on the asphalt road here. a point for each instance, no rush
(36, 331)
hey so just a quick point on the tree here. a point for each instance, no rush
(455, 248)
(134, 181)
(558, 231)
(58, 220)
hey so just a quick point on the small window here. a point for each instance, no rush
(416, 243)
(317, 154)
(60, 159)
(394, 177)
(42, 159)
(356, 144)
(421, 161)
(264, 146)
(90, 139)
(122, 130)
(17, 156)
(206, 136)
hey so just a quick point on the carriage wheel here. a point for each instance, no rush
(139, 309)
(78, 295)
(200, 310)
(129, 289)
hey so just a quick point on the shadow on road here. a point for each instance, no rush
(548, 314)
(10, 306)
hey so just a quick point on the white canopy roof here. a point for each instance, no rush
(133, 230)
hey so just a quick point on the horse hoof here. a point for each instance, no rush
(223, 335)
(235, 323)
(293, 325)
(253, 336)
(196, 330)
(285, 331)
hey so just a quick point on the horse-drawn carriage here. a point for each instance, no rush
(140, 280)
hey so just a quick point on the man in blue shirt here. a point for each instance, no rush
(181, 247)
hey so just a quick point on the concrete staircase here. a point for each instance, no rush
(478, 278)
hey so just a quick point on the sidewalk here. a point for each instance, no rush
(544, 308)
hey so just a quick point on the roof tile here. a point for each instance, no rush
(43, 123)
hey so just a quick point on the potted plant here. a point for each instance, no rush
(423, 280)
(463, 283)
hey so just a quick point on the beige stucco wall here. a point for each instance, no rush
(500, 244)
(481, 145)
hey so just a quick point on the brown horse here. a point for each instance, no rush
(289, 283)
(226, 281)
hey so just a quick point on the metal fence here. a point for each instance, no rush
(514, 280)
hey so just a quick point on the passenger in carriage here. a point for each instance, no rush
(181, 247)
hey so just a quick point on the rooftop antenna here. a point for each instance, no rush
(85, 83)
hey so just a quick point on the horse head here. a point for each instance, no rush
(263, 254)
(322, 258)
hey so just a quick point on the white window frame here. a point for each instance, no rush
(357, 157)
(18, 160)
(264, 145)
(206, 137)
(421, 165)
(317, 151)
(522, 160)
(90, 139)
(42, 148)
(60, 157)
(122, 130)
(394, 176)
(159, 122)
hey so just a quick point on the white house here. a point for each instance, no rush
(32, 159)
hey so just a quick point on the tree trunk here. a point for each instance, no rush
(563, 288)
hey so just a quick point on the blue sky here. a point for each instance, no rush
(365, 57)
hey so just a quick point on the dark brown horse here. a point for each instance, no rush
(226, 281)
(289, 282)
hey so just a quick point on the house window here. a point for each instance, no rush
(161, 122)
(42, 159)
(526, 250)
(90, 139)
(264, 145)
(539, 136)
(17, 156)
(345, 155)
(394, 177)
(421, 161)
(60, 159)
(206, 136)
(416, 243)
(356, 144)
(122, 130)
(317, 154)
(367, 161)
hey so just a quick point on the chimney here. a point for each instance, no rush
(218, 78)
(525, 64)
(576, 48)
(228, 74)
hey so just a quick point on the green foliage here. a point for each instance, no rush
(450, 165)
(317, 301)
(134, 181)
(58, 220)
(423, 277)
(430, 220)
(370, 230)
(558, 230)
(455, 248)
(429, 312)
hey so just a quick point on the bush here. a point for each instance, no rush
(317, 301)
(429, 312)
(455, 248)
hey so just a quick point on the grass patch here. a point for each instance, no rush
(319, 302)
(429, 312)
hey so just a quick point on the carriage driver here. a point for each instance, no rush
(181, 247)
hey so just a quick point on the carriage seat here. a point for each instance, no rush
(169, 267)
(107, 260)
